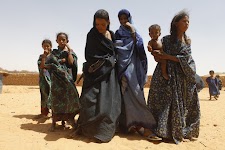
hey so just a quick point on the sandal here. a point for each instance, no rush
(153, 137)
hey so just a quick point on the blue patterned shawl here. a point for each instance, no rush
(132, 72)
(126, 49)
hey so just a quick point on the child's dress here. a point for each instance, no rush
(213, 86)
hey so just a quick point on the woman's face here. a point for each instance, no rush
(62, 40)
(47, 46)
(101, 25)
(183, 24)
(123, 19)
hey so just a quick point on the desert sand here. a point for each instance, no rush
(19, 130)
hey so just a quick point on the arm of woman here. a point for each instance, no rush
(172, 58)
(162, 55)
(132, 30)
(70, 55)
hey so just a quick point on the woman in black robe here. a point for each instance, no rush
(100, 98)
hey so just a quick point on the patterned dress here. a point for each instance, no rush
(175, 103)
(44, 85)
(63, 96)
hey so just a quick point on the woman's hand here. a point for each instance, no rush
(130, 26)
(46, 52)
(68, 47)
(163, 56)
(160, 54)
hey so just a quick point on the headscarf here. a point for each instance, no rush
(127, 13)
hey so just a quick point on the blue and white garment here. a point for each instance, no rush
(132, 72)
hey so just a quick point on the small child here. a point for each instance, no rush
(156, 44)
(220, 84)
(44, 78)
(213, 85)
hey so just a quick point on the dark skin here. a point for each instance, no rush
(124, 22)
(182, 26)
(63, 44)
(101, 26)
(47, 50)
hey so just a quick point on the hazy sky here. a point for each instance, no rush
(25, 23)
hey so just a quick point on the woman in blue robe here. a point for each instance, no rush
(174, 102)
(132, 74)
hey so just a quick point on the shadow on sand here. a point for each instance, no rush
(61, 132)
(32, 117)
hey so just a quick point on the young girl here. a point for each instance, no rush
(156, 44)
(44, 77)
(64, 98)
(213, 86)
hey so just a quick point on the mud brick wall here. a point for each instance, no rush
(32, 79)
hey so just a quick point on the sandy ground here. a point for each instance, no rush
(19, 130)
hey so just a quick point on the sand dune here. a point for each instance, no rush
(19, 129)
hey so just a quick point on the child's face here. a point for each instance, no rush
(123, 19)
(101, 25)
(154, 33)
(183, 24)
(47, 46)
(62, 40)
(211, 74)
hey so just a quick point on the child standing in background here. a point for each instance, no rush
(155, 44)
(220, 84)
(44, 77)
(212, 82)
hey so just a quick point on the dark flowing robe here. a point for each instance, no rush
(44, 85)
(132, 71)
(100, 98)
(175, 103)
(63, 97)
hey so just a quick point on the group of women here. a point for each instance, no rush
(115, 72)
